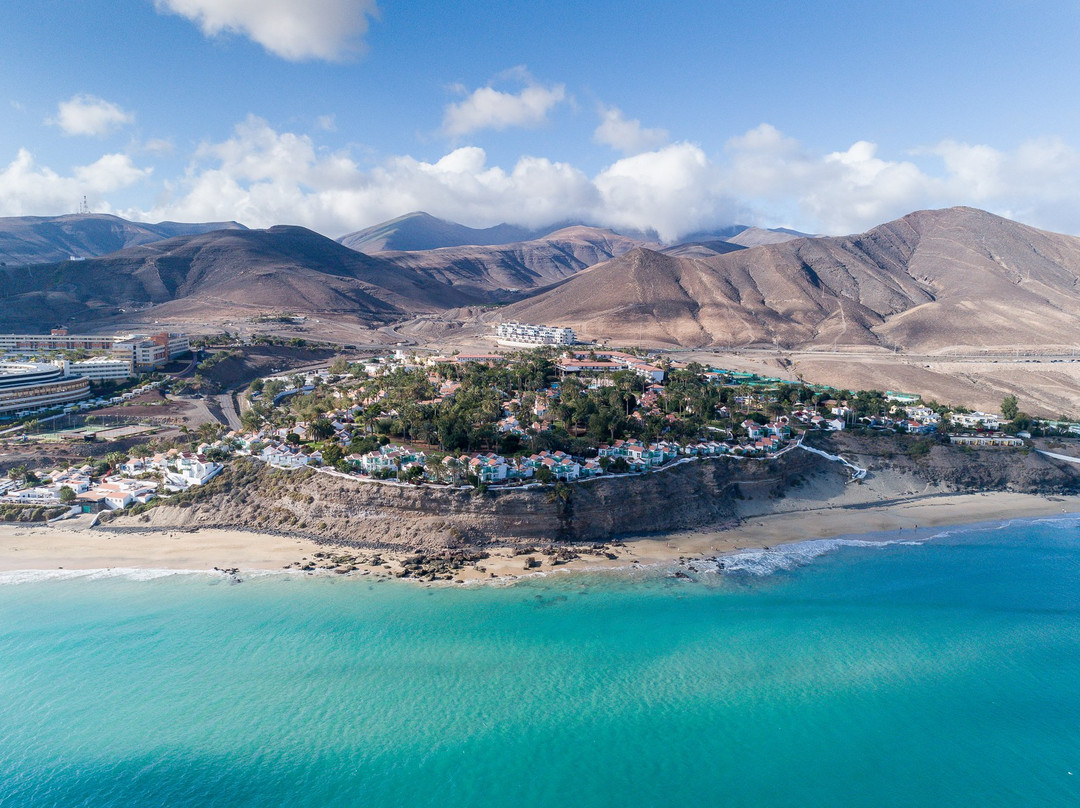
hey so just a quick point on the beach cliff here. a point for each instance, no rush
(704, 493)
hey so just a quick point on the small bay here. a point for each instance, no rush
(906, 674)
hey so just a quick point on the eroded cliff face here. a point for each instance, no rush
(250, 495)
(706, 493)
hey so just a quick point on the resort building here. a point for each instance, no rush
(526, 334)
(608, 362)
(27, 386)
(973, 420)
(101, 368)
(985, 440)
(144, 351)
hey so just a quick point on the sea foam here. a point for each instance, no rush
(12, 577)
(789, 556)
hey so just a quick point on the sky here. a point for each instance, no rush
(679, 117)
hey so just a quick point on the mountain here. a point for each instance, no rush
(701, 249)
(931, 280)
(756, 236)
(744, 236)
(422, 231)
(221, 274)
(525, 265)
(44, 239)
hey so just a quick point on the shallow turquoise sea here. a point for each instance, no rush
(945, 672)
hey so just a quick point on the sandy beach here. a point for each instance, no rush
(75, 546)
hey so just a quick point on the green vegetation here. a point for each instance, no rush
(574, 414)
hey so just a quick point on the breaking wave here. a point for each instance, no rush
(130, 573)
(789, 556)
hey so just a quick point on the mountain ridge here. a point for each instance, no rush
(251, 271)
(929, 280)
(47, 239)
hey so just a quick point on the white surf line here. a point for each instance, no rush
(857, 473)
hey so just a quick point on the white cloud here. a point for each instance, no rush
(90, 115)
(673, 190)
(626, 135)
(263, 177)
(156, 145)
(27, 189)
(293, 29)
(488, 108)
(854, 189)
(110, 173)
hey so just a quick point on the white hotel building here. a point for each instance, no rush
(526, 334)
(143, 351)
(102, 368)
(30, 385)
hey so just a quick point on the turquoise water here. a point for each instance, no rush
(943, 673)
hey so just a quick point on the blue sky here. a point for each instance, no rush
(337, 114)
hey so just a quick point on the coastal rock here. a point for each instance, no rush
(448, 529)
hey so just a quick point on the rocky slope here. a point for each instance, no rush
(369, 515)
(954, 469)
(933, 280)
(229, 272)
(45, 239)
(492, 271)
(422, 231)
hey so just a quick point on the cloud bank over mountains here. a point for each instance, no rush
(263, 176)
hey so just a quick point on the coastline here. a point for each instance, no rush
(74, 547)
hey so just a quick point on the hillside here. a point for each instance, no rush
(221, 274)
(422, 231)
(928, 281)
(519, 266)
(47, 239)
(701, 249)
(756, 236)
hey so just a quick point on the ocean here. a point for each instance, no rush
(939, 672)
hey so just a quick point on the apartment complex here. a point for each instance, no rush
(101, 368)
(514, 333)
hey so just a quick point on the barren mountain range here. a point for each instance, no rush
(519, 266)
(43, 239)
(933, 279)
(422, 231)
(220, 275)
(227, 273)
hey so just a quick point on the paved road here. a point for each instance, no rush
(228, 409)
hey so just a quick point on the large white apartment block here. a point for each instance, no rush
(101, 368)
(514, 333)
